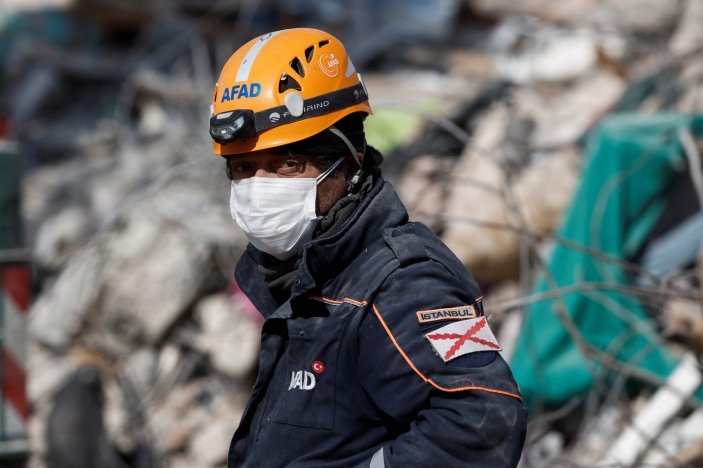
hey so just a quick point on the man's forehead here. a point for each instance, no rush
(267, 153)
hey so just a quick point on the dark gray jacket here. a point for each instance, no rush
(347, 373)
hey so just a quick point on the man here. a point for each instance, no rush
(375, 351)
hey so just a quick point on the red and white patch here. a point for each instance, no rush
(464, 337)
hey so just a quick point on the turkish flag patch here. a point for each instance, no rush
(464, 337)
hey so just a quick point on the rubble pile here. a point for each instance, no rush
(500, 201)
(144, 300)
(133, 247)
(486, 133)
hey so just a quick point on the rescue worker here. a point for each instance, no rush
(375, 350)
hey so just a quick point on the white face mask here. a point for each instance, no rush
(277, 215)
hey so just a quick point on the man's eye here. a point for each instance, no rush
(239, 170)
(290, 167)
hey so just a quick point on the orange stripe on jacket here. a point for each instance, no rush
(336, 302)
(430, 381)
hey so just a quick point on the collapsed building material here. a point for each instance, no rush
(229, 336)
(484, 203)
(136, 245)
(632, 159)
(650, 421)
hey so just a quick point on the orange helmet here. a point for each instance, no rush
(283, 87)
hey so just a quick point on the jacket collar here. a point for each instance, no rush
(326, 256)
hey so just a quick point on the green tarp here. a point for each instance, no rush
(631, 162)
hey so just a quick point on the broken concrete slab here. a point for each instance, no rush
(229, 336)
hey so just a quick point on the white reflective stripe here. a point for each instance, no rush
(14, 331)
(13, 422)
(350, 68)
(377, 460)
(250, 57)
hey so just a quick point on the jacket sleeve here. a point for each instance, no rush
(466, 411)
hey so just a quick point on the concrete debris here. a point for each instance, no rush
(230, 338)
(688, 35)
(649, 422)
(75, 294)
(544, 189)
(173, 230)
(597, 434)
(546, 449)
(693, 97)
(561, 59)
(507, 324)
(200, 409)
(210, 445)
(179, 264)
(550, 11)
(684, 322)
(60, 236)
(483, 122)
(140, 371)
(562, 116)
(480, 201)
(153, 120)
(476, 204)
(643, 16)
(680, 443)
(35, 5)
(419, 190)
(471, 65)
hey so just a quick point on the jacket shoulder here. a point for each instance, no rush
(414, 242)
(431, 311)
(398, 252)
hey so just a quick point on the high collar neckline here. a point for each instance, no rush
(326, 256)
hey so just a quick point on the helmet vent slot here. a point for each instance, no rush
(309, 53)
(287, 82)
(297, 65)
(323, 43)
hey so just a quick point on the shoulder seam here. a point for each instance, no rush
(428, 380)
(408, 247)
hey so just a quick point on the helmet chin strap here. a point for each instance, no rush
(346, 141)
(355, 155)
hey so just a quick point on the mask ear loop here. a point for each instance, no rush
(329, 170)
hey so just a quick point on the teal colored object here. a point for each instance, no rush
(58, 29)
(631, 162)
